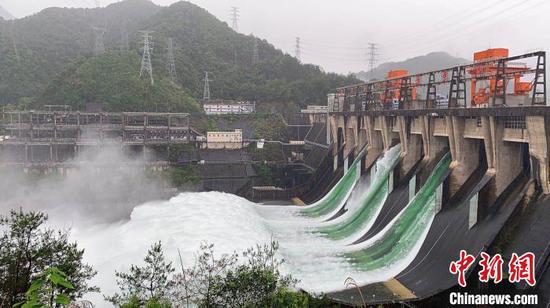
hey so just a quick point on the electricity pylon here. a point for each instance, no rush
(171, 63)
(146, 65)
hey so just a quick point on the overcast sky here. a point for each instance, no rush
(335, 33)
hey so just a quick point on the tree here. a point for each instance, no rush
(229, 281)
(197, 284)
(253, 283)
(148, 284)
(48, 290)
(27, 249)
(250, 279)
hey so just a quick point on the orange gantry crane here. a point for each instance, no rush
(488, 76)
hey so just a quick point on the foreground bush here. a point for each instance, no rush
(28, 250)
(249, 279)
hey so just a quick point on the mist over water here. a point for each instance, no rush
(105, 186)
(116, 213)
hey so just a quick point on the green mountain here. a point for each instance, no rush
(429, 62)
(48, 58)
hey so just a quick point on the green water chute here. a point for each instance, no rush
(338, 194)
(374, 200)
(407, 228)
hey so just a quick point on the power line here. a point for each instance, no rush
(450, 22)
(458, 29)
(206, 91)
(487, 20)
(297, 50)
(171, 63)
(146, 65)
(235, 18)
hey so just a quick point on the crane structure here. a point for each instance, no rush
(490, 76)
(491, 79)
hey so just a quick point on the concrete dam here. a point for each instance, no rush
(463, 173)
(410, 180)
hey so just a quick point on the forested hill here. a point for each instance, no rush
(425, 63)
(49, 58)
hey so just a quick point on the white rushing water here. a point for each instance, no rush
(231, 223)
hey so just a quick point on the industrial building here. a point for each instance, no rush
(225, 140)
(228, 107)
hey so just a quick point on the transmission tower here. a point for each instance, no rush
(255, 53)
(298, 50)
(372, 54)
(146, 65)
(99, 47)
(206, 92)
(14, 42)
(124, 41)
(171, 63)
(235, 18)
(97, 3)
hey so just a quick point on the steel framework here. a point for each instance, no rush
(378, 94)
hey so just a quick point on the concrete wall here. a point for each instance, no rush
(472, 141)
(538, 148)
(465, 154)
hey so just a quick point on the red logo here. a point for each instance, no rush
(461, 266)
(522, 268)
(491, 268)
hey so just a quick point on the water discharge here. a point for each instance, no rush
(316, 252)
(360, 221)
(337, 196)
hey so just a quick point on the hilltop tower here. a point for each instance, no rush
(235, 18)
(99, 46)
(255, 53)
(298, 50)
(206, 92)
(146, 65)
(171, 63)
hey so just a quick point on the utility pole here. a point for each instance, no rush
(372, 58)
(146, 65)
(298, 50)
(171, 63)
(255, 53)
(206, 92)
(235, 18)
(99, 47)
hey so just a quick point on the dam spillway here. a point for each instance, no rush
(417, 186)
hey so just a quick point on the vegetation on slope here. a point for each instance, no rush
(42, 53)
(112, 80)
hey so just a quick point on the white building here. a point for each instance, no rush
(225, 140)
(315, 109)
(228, 107)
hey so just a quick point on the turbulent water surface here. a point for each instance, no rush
(316, 250)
